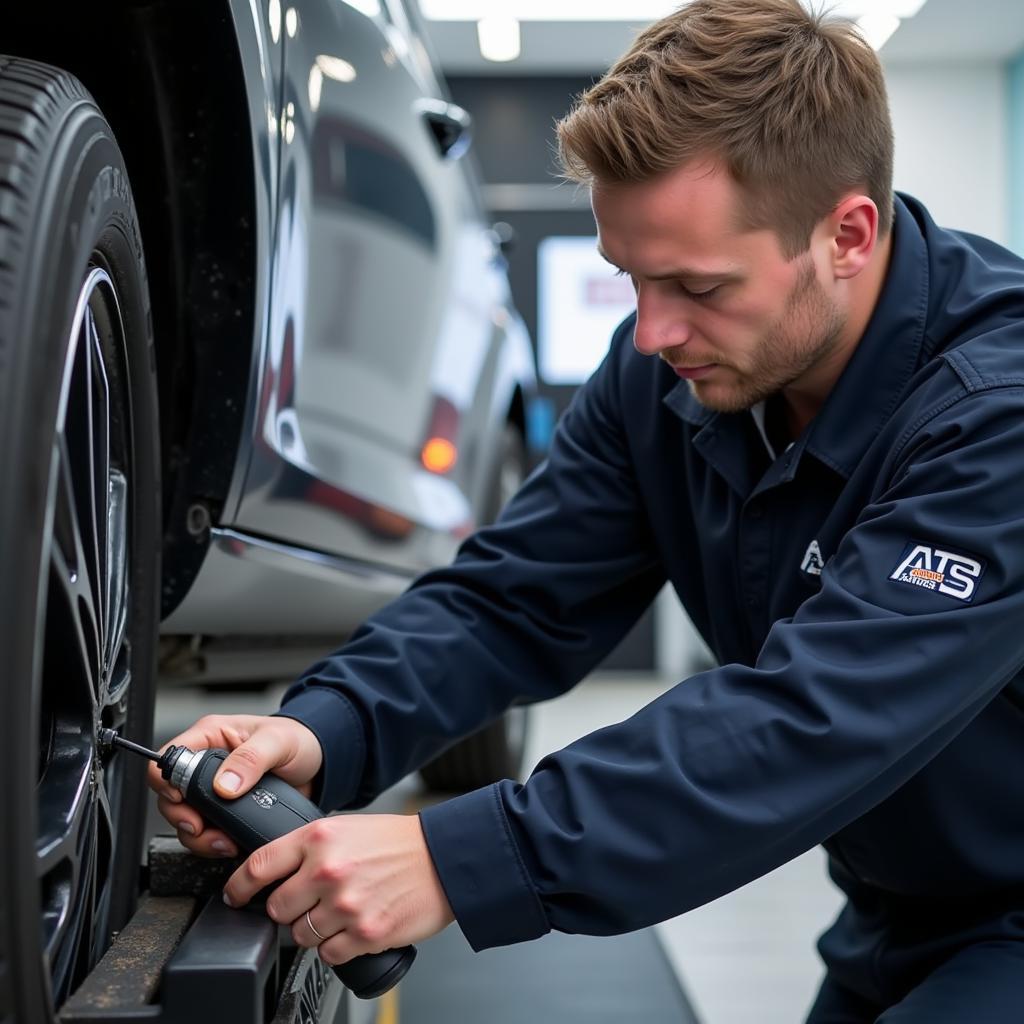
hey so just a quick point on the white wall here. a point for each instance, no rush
(951, 146)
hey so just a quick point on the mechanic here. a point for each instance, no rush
(813, 426)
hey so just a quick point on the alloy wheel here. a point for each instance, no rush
(83, 652)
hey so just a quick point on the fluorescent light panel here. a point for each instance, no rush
(499, 38)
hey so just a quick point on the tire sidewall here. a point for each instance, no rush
(81, 205)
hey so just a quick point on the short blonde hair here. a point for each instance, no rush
(794, 103)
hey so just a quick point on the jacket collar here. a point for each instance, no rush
(888, 355)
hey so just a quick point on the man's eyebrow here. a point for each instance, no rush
(686, 273)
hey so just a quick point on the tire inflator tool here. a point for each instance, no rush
(271, 809)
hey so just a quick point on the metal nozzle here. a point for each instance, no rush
(176, 764)
(108, 738)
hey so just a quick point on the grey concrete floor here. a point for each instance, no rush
(748, 956)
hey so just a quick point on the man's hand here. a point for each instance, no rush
(366, 881)
(258, 744)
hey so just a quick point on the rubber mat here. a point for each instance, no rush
(559, 979)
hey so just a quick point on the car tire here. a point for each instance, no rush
(496, 751)
(79, 536)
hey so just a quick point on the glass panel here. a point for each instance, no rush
(580, 302)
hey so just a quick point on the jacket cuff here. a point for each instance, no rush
(481, 870)
(335, 722)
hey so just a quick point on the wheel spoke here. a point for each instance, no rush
(75, 926)
(101, 490)
(77, 455)
(73, 859)
(105, 840)
(79, 650)
(65, 796)
(116, 587)
(120, 680)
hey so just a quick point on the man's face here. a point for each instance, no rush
(723, 306)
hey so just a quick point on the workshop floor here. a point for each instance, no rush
(746, 957)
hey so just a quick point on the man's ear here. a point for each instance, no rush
(853, 232)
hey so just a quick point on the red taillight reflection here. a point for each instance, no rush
(439, 453)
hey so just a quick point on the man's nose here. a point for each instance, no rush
(660, 324)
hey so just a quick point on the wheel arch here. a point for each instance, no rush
(169, 79)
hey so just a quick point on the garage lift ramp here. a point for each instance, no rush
(186, 958)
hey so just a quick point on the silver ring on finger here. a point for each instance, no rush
(312, 928)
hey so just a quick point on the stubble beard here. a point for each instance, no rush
(805, 334)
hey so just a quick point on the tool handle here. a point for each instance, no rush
(273, 808)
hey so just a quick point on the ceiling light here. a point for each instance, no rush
(499, 38)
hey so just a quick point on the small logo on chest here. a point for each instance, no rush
(813, 563)
(932, 568)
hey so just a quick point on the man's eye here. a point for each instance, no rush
(702, 296)
(698, 296)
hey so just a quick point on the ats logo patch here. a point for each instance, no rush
(935, 568)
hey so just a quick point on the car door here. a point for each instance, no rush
(378, 299)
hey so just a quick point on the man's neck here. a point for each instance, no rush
(804, 400)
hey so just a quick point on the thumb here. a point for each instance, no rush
(248, 763)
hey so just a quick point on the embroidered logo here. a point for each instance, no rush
(933, 568)
(813, 563)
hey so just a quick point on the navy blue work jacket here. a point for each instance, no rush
(863, 594)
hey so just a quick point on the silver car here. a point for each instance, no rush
(259, 368)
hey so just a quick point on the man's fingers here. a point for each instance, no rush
(257, 744)
(290, 900)
(181, 816)
(344, 946)
(276, 860)
(209, 731)
(248, 763)
(210, 844)
(160, 786)
(192, 832)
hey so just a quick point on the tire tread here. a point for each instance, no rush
(32, 98)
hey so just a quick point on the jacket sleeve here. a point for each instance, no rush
(527, 609)
(739, 769)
